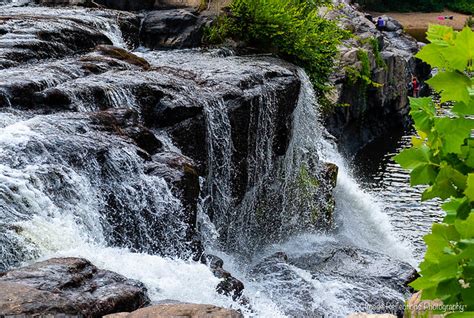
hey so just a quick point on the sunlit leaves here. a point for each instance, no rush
(453, 86)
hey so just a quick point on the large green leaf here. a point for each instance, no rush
(460, 55)
(469, 192)
(452, 85)
(423, 111)
(414, 157)
(454, 132)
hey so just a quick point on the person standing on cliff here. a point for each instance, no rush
(380, 24)
(416, 87)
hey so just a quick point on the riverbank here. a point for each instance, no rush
(421, 20)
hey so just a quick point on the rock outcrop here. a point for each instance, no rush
(126, 5)
(361, 271)
(373, 108)
(180, 310)
(68, 286)
(173, 29)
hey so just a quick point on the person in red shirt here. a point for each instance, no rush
(416, 86)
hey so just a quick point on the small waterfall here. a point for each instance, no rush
(218, 185)
(63, 182)
(284, 193)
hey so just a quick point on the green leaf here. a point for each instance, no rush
(454, 132)
(464, 314)
(465, 227)
(423, 174)
(461, 108)
(433, 55)
(440, 35)
(445, 185)
(423, 111)
(460, 55)
(453, 86)
(413, 157)
(469, 192)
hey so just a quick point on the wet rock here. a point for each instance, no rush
(123, 55)
(229, 286)
(131, 5)
(180, 310)
(360, 271)
(70, 286)
(330, 172)
(173, 29)
(214, 262)
(284, 286)
(125, 122)
(181, 174)
(47, 35)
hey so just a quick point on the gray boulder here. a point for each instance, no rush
(173, 29)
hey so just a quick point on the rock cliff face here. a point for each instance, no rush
(372, 108)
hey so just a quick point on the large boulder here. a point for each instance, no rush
(71, 286)
(180, 310)
(175, 28)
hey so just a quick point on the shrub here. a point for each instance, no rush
(293, 29)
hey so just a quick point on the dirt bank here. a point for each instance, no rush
(421, 20)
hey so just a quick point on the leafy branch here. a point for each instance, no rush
(442, 157)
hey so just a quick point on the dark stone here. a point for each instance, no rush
(58, 40)
(127, 5)
(230, 286)
(372, 111)
(214, 262)
(173, 29)
(123, 55)
(70, 286)
(181, 174)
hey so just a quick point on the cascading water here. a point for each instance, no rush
(72, 186)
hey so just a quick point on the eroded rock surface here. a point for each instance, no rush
(70, 286)
(180, 310)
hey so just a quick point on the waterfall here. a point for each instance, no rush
(73, 186)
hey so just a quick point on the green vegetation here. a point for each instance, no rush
(376, 51)
(293, 29)
(469, 22)
(463, 6)
(442, 157)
